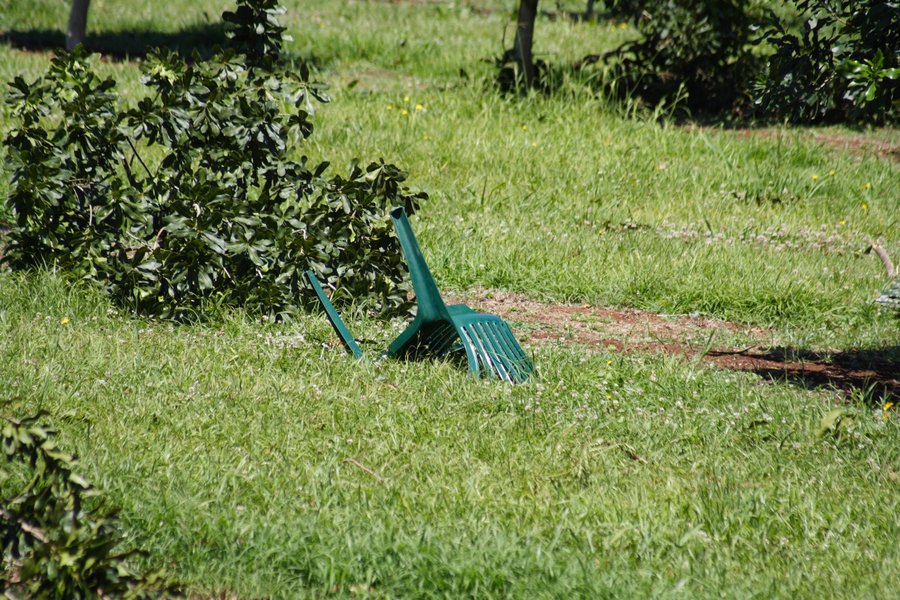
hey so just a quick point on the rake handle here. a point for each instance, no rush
(430, 304)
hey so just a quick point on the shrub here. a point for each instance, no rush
(57, 540)
(691, 51)
(220, 214)
(843, 64)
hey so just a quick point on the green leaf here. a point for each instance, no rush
(871, 91)
(204, 280)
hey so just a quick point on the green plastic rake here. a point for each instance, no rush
(438, 330)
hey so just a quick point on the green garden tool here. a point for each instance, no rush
(439, 330)
(334, 318)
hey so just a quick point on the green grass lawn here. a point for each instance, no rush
(259, 460)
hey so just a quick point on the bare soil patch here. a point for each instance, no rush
(709, 340)
(858, 145)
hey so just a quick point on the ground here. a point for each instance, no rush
(697, 300)
(693, 337)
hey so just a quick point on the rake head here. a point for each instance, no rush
(491, 348)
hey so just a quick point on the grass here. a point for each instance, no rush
(249, 458)
(256, 459)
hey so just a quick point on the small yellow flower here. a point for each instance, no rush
(888, 406)
(426, 138)
(867, 186)
(390, 107)
(404, 112)
(524, 127)
(815, 177)
(842, 222)
(609, 362)
(64, 321)
(609, 397)
(831, 173)
(419, 107)
(406, 98)
(534, 144)
(865, 206)
(622, 25)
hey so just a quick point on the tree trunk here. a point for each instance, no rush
(77, 23)
(524, 37)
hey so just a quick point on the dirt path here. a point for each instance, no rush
(722, 343)
(857, 145)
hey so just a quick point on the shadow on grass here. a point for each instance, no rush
(123, 45)
(873, 375)
(134, 44)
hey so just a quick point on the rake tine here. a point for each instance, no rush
(501, 353)
(491, 356)
(521, 356)
(516, 354)
(481, 351)
(514, 344)
(487, 365)
(428, 340)
(471, 350)
(482, 363)
(500, 350)
(496, 361)
(442, 339)
(518, 358)
(503, 350)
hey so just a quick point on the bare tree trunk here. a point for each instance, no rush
(77, 23)
(524, 38)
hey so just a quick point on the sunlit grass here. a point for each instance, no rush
(252, 458)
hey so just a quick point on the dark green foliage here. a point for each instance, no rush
(58, 541)
(844, 63)
(254, 30)
(349, 215)
(65, 155)
(626, 9)
(690, 51)
(220, 214)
